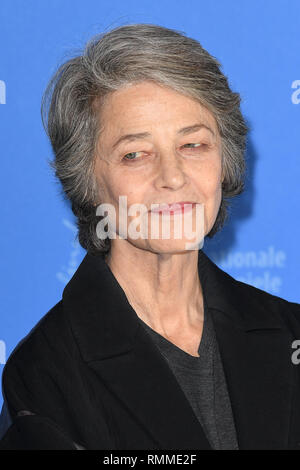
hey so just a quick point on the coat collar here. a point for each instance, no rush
(105, 324)
(254, 345)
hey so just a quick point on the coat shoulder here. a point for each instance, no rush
(277, 307)
(45, 357)
(47, 340)
(48, 388)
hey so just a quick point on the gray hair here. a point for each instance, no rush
(125, 55)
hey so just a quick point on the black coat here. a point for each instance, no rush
(91, 376)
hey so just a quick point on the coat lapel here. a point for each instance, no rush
(114, 344)
(145, 384)
(254, 347)
(259, 374)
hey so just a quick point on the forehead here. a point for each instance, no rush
(147, 103)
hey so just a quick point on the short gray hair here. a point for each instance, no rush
(124, 55)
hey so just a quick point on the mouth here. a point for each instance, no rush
(173, 208)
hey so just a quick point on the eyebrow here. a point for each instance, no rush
(142, 135)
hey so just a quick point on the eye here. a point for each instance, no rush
(196, 145)
(131, 156)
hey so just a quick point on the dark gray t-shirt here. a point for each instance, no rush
(203, 382)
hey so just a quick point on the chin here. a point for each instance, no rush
(173, 246)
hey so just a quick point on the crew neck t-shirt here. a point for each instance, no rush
(203, 383)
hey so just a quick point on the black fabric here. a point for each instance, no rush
(32, 432)
(203, 382)
(91, 369)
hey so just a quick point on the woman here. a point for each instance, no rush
(152, 346)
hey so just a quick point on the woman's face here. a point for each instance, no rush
(175, 157)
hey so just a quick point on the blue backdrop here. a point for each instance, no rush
(258, 43)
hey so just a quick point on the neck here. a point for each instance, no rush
(163, 288)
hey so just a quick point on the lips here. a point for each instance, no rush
(175, 207)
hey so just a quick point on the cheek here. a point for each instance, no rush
(208, 182)
(113, 183)
(121, 186)
(110, 184)
(117, 185)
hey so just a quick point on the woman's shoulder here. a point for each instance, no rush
(42, 381)
(288, 311)
(49, 343)
(226, 291)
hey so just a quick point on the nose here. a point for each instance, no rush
(170, 173)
